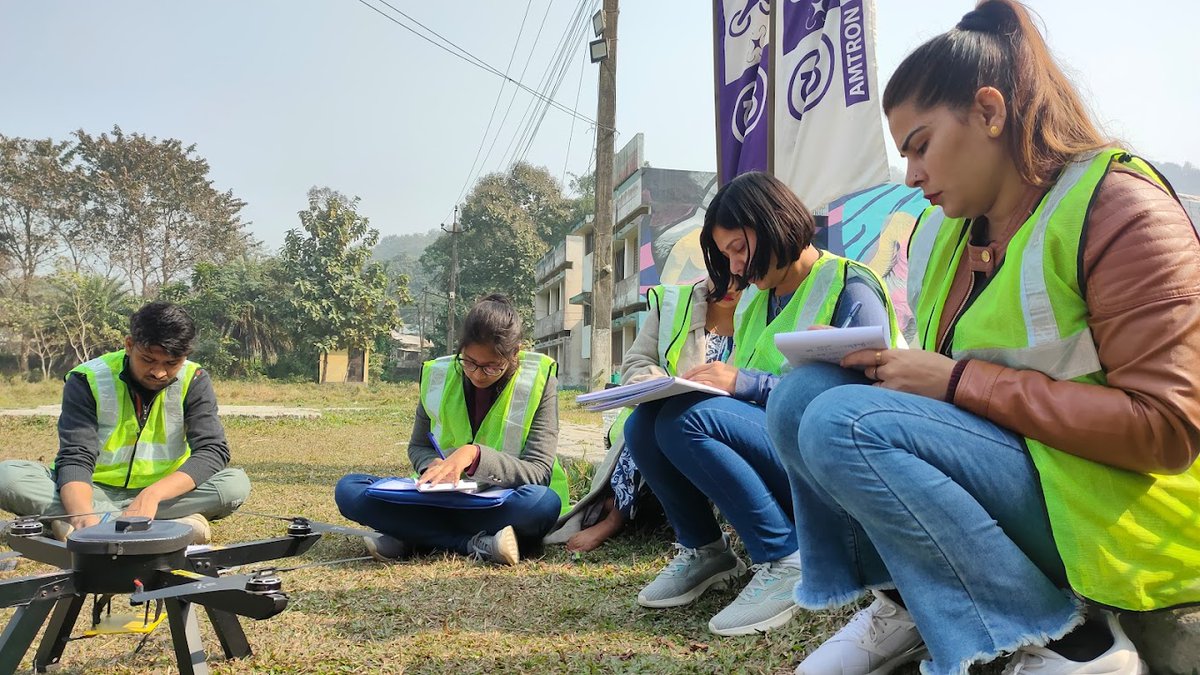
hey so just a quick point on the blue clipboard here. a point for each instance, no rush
(404, 491)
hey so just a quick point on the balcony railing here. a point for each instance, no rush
(553, 261)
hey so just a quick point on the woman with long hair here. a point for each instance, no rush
(1033, 460)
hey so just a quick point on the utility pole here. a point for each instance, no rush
(421, 325)
(454, 232)
(602, 224)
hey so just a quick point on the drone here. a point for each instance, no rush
(149, 560)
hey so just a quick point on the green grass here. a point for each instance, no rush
(434, 614)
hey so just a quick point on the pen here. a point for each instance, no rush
(851, 314)
(436, 448)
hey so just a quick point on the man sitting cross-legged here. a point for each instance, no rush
(138, 434)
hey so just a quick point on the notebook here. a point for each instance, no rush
(405, 491)
(831, 344)
(640, 392)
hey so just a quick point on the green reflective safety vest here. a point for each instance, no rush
(506, 426)
(674, 307)
(134, 456)
(812, 304)
(1128, 540)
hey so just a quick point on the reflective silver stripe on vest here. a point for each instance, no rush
(668, 304)
(107, 407)
(817, 295)
(1062, 358)
(173, 419)
(514, 421)
(437, 383)
(919, 252)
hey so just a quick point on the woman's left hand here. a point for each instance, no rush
(910, 370)
(455, 464)
(716, 374)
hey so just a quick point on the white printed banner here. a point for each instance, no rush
(828, 138)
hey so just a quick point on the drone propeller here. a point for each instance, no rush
(301, 525)
(265, 580)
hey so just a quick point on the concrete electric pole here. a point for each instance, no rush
(453, 280)
(602, 268)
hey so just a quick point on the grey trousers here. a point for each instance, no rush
(29, 489)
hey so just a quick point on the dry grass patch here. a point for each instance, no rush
(431, 614)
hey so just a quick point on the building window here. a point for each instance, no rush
(619, 260)
(587, 315)
(589, 243)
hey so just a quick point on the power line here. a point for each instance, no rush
(470, 58)
(571, 135)
(496, 104)
(574, 26)
(511, 99)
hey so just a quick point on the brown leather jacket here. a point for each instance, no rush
(1141, 268)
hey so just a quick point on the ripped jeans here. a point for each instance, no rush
(898, 490)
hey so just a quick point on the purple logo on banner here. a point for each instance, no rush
(742, 58)
(813, 74)
(811, 79)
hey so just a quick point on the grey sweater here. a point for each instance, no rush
(496, 468)
(79, 435)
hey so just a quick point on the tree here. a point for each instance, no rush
(508, 222)
(38, 200)
(341, 300)
(241, 319)
(153, 210)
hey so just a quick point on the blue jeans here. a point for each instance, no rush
(531, 510)
(898, 489)
(697, 447)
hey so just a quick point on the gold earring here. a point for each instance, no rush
(994, 131)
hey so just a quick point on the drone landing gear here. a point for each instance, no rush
(64, 610)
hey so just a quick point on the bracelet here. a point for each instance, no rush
(955, 376)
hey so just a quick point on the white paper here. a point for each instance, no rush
(460, 486)
(829, 345)
(640, 392)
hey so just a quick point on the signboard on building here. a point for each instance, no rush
(629, 159)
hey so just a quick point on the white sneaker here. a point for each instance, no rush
(875, 641)
(1120, 659)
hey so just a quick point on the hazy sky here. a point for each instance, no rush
(280, 95)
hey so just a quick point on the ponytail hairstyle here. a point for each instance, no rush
(997, 45)
(493, 321)
(782, 225)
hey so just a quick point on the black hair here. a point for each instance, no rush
(781, 223)
(997, 45)
(494, 322)
(163, 324)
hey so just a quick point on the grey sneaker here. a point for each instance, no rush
(500, 548)
(690, 573)
(765, 603)
(877, 640)
(386, 549)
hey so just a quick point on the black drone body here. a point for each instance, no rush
(149, 561)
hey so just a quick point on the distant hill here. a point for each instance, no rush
(409, 245)
(1185, 179)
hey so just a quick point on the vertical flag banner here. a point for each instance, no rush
(742, 57)
(827, 137)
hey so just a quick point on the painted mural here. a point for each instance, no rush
(872, 226)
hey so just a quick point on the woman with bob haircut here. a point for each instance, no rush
(697, 450)
(1031, 464)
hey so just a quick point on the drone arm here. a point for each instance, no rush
(41, 549)
(210, 561)
(23, 590)
(227, 594)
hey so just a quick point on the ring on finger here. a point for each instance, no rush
(878, 359)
